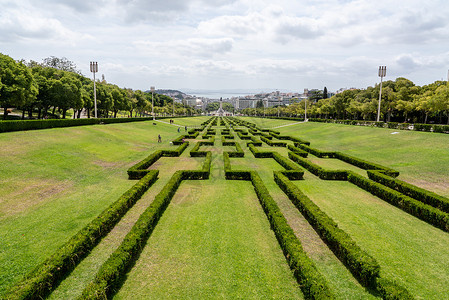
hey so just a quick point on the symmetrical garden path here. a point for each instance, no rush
(228, 211)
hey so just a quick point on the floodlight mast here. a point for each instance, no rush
(94, 69)
(382, 74)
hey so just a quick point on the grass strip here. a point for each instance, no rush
(425, 196)
(364, 267)
(422, 211)
(43, 279)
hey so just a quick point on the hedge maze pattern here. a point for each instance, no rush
(380, 181)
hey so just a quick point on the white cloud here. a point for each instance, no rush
(239, 42)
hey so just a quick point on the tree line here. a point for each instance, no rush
(53, 87)
(402, 101)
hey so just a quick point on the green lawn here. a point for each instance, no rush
(55, 181)
(214, 241)
(408, 249)
(422, 158)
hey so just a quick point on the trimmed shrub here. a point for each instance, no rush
(364, 164)
(390, 290)
(411, 190)
(140, 169)
(120, 261)
(273, 144)
(316, 152)
(317, 170)
(361, 264)
(7, 126)
(42, 280)
(311, 281)
(414, 207)
(297, 151)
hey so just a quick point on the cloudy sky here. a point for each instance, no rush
(234, 44)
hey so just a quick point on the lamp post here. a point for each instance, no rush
(94, 69)
(152, 101)
(382, 73)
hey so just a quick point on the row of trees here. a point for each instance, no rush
(55, 85)
(402, 101)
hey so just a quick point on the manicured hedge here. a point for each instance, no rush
(316, 152)
(259, 154)
(122, 259)
(42, 280)
(273, 144)
(7, 126)
(362, 266)
(364, 164)
(413, 191)
(297, 151)
(141, 168)
(311, 281)
(317, 170)
(414, 207)
(394, 125)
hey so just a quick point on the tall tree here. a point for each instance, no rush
(325, 93)
(17, 86)
(62, 64)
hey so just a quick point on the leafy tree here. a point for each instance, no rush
(259, 104)
(17, 84)
(62, 64)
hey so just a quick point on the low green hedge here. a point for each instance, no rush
(317, 170)
(414, 207)
(7, 126)
(298, 151)
(112, 271)
(42, 280)
(316, 152)
(243, 135)
(364, 164)
(413, 191)
(273, 144)
(257, 153)
(311, 281)
(362, 266)
(141, 168)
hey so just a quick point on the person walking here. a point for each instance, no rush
(179, 129)
(159, 139)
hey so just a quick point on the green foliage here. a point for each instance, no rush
(140, 169)
(364, 164)
(17, 85)
(414, 207)
(361, 264)
(317, 170)
(411, 190)
(7, 126)
(273, 144)
(40, 282)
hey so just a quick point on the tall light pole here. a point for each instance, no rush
(94, 69)
(152, 101)
(382, 73)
